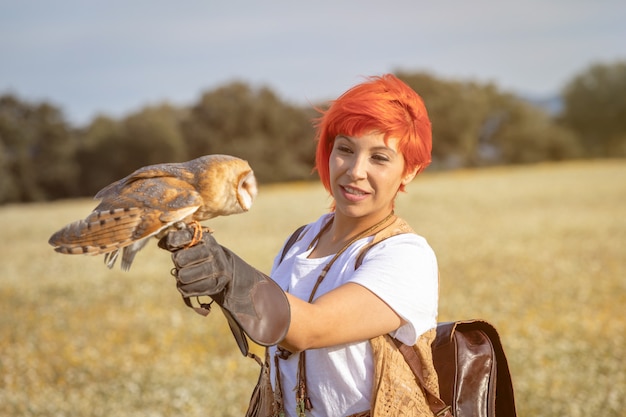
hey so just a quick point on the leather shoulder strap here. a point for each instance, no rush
(437, 406)
(292, 239)
(398, 227)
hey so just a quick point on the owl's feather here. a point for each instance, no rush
(154, 199)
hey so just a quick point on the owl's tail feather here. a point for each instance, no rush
(130, 251)
(101, 232)
(128, 254)
(110, 258)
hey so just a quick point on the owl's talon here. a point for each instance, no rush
(197, 234)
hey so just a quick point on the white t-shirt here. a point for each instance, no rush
(401, 270)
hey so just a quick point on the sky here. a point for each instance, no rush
(115, 57)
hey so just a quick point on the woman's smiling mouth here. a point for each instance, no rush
(353, 194)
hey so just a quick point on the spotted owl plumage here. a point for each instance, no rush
(154, 199)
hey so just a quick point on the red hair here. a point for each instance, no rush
(382, 104)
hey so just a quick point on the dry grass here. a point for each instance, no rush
(538, 251)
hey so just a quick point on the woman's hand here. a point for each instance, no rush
(252, 303)
(200, 270)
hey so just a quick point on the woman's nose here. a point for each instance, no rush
(358, 167)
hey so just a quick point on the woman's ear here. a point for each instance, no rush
(408, 177)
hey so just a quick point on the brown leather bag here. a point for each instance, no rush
(474, 377)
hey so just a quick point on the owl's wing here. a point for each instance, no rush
(104, 231)
(158, 171)
(164, 194)
(139, 210)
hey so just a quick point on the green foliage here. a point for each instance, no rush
(526, 134)
(112, 149)
(98, 154)
(153, 136)
(474, 125)
(38, 150)
(595, 107)
(9, 190)
(276, 138)
(458, 112)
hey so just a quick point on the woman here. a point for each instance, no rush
(341, 294)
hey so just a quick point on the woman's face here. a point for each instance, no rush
(366, 174)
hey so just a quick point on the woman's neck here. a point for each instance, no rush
(343, 231)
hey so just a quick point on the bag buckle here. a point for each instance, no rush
(444, 411)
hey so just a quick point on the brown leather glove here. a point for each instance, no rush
(252, 302)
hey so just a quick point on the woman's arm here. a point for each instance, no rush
(349, 313)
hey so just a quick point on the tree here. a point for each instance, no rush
(595, 108)
(476, 125)
(112, 149)
(153, 136)
(526, 134)
(253, 124)
(9, 188)
(458, 112)
(98, 154)
(38, 151)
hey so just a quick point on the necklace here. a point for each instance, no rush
(370, 230)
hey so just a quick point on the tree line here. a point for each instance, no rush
(43, 157)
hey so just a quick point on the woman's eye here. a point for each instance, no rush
(380, 158)
(343, 148)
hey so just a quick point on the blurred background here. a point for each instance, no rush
(523, 203)
(90, 91)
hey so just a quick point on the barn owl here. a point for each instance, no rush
(154, 199)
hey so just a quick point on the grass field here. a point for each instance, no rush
(539, 251)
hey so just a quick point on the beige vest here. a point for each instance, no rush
(396, 391)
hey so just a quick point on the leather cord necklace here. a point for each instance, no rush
(303, 402)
